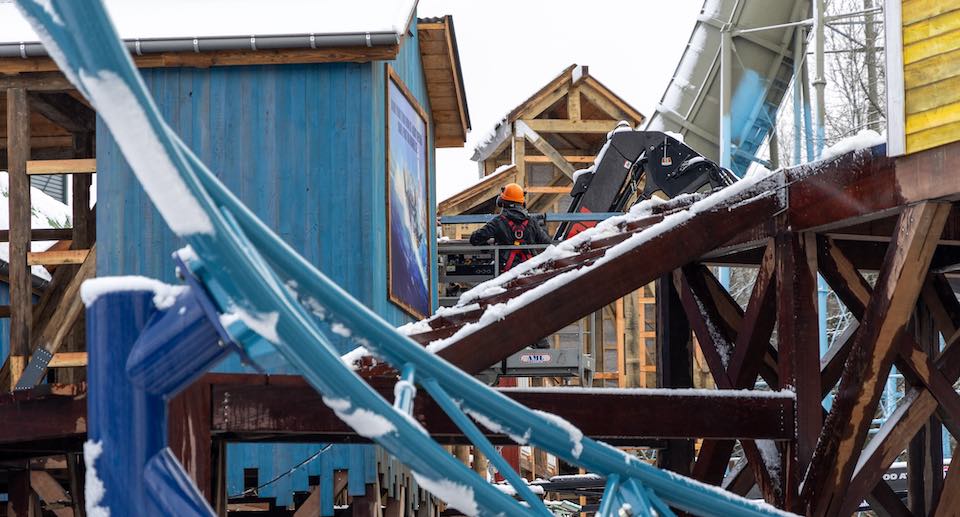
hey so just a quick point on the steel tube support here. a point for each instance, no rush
(819, 82)
(726, 94)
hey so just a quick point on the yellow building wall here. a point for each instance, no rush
(931, 72)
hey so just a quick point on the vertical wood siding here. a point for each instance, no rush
(303, 147)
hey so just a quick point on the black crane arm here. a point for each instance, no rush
(658, 161)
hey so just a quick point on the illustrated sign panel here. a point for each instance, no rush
(408, 230)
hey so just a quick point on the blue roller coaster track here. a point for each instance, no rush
(246, 288)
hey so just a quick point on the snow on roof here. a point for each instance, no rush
(46, 212)
(151, 19)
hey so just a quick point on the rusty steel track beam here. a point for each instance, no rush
(249, 406)
(45, 414)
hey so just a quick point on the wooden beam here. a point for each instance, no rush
(42, 234)
(36, 82)
(752, 341)
(21, 500)
(606, 105)
(548, 190)
(51, 492)
(914, 362)
(798, 352)
(74, 166)
(16, 65)
(571, 126)
(950, 495)
(590, 84)
(702, 311)
(53, 331)
(519, 150)
(573, 104)
(674, 365)
(65, 111)
(524, 130)
(18, 134)
(56, 258)
(897, 288)
(569, 158)
(68, 360)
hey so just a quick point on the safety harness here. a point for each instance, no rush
(516, 256)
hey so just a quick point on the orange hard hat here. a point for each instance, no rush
(512, 192)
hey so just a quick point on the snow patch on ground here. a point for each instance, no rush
(164, 295)
(94, 489)
(365, 422)
(129, 124)
(456, 495)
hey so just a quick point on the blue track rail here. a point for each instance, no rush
(246, 288)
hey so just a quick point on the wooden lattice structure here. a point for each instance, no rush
(540, 144)
(839, 218)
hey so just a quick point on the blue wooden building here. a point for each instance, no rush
(293, 107)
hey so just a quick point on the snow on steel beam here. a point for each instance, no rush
(681, 237)
(250, 406)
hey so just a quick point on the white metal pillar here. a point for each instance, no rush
(726, 93)
(819, 82)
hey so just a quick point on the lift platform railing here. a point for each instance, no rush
(248, 287)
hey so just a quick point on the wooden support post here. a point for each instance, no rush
(704, 313)
(190, 438)
(396, 506)
(925, 454)
(844, 433)
(619, 329)
(368, 505)
(21, 502)
(519, 160)
(799, 353)
(674, 366)
(18, 152)
(950, 496)
(573, 104)
(76, 471)
(938, 310)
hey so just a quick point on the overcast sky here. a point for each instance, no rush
(509, 49)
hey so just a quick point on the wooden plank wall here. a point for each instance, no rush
(931, 75)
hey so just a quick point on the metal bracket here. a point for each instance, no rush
(33, 373)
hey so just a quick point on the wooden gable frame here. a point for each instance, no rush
(563, 124)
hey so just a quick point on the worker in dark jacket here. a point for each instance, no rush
(512, 227)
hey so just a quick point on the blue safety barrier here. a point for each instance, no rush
(241, 275)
